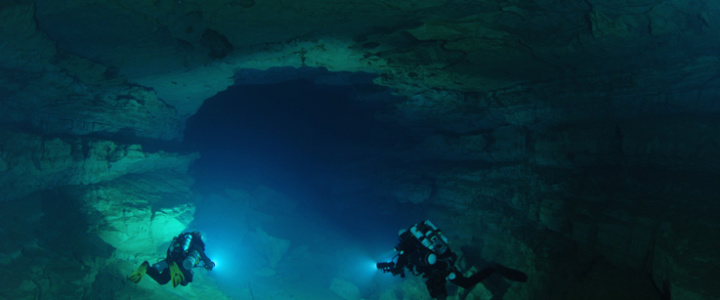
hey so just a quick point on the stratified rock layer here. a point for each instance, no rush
(572, 139)
(147, 66)
(32, 162)
(72, 242)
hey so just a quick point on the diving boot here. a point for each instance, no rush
(141, 270)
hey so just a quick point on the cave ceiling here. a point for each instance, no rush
(563, 125)
(158, 60)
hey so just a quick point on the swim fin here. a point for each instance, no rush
(511, 274)
(141, 270)
(176, 274)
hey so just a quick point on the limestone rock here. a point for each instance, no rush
(268, 199)
(128, 213)
(669, 142)
(46, 249)
(410, 288)
(137, 215)
(538, 122)
(462, 47)
(345, 289)
(35, 163)
(450, 147)
(412, 189)
(479, 292)
(272, 249)
(23, 46)
(53, 90)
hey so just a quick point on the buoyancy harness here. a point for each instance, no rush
(430, 237)
(180, 245)
(421, 247)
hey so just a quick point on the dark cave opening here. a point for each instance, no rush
(293, 127)
(579, 142)
(293, 134)
(294, 137)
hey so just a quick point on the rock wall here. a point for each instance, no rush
(603, 186)
(577, 204)
(32, 163)
(77, 242)
(147, 66)
(577, 138)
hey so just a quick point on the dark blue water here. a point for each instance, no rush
(287, 228)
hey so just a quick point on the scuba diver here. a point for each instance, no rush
(424, 250)
(186, 252)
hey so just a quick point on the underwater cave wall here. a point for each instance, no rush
(576, 140)
(595, 182)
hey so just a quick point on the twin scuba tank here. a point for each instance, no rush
(430, 237)
(182, 245)
(191, 260)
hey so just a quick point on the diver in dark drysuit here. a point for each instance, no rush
(424, 250)
(186, 252)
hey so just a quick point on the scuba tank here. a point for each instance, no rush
(186, 242)
(430, 236)
(423, 258)
(180, 245)
(421, 237)
(191, 260)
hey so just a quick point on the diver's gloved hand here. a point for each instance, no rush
(176, 276)
(138, 274)
(210, 266)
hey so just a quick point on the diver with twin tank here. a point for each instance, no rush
(186, 251)
(425, 251)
